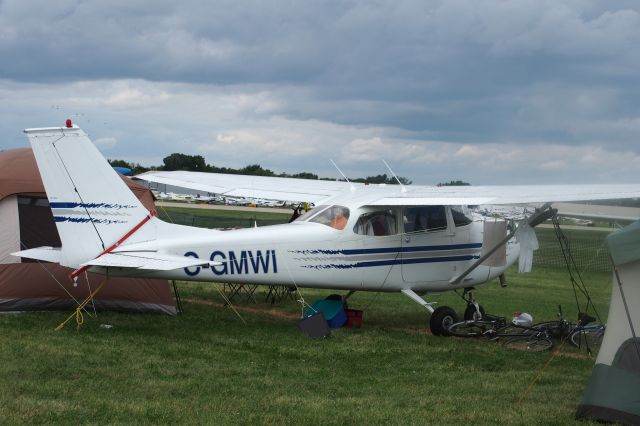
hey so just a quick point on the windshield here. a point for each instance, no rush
(333, 216)
(314, 211)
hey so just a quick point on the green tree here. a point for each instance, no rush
(177, 161)
(301, 175)
(255, 170)
(455, 183)
(389, 180)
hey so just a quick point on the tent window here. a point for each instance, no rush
(628, 356)
(378, 223)
(32, 201)
(37, 228)
(426, 218)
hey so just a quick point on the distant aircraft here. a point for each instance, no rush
(415, 240)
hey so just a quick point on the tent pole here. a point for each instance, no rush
(626, 309)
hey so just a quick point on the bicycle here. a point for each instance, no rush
(536, 337)
(589, 336)
(485, 327)
(561, 329)
(512, 335)
(533, 338)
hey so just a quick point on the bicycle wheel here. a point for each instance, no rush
(557, 329)
(511, 330)
(472, 328)
(590, 337)
(531, 343)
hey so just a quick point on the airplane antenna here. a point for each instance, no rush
(345, 178)
(403, 188)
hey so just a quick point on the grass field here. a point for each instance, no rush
(207, 366)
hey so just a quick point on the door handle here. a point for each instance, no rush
(407, 239)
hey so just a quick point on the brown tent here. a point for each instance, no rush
(26, 222)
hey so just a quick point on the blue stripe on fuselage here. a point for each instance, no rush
(68, 205)
(351, 252)
(393, 262)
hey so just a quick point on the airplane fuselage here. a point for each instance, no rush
(308, 254)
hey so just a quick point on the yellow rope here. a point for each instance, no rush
(78, 312)
(228, 302)
(544, 367)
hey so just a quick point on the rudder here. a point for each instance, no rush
(92, 207)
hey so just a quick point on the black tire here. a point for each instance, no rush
(532, 343)
(473, 329)
(590, 337)
(472, 314)
(441, 319)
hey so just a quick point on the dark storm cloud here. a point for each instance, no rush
(561, 72)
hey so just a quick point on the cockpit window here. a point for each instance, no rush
(314, 211)
(424, 218)
(378, 223)
(333, 216)
(460, 217)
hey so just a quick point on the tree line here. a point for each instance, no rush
(197, 163)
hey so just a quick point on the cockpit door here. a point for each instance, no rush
(427, 250)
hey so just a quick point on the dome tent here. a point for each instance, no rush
(613, 391)
(26, 222)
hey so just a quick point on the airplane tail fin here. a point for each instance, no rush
(92, 207)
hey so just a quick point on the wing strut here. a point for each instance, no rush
(533, 221)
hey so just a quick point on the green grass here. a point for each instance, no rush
(588, 247)
(206, 366)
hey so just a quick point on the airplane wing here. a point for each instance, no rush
(317, 191)
(267, 187)
(147, 260)
(506, 195)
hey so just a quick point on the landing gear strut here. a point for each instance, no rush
(441, 318)
(474, 310)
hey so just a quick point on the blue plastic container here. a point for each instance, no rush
(332, 310)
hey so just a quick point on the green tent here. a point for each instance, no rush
(613, 392)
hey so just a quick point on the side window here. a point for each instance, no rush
(378, 223)
(426, 218)
(459, 217)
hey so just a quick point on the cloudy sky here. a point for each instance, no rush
(490, 92)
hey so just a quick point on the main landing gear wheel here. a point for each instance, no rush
(471, 313)
(441, 319)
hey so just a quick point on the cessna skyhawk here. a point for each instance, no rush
(415, 240)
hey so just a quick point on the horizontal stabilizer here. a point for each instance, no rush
(149, 261)
(47, 254)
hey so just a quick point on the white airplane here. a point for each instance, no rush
(415, 240)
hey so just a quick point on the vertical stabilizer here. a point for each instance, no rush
(91, 205)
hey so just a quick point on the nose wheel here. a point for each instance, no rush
(474, 312)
